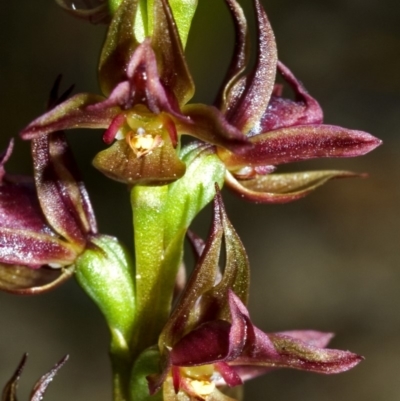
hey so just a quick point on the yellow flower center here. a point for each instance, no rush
(200, 379)
(144, 130)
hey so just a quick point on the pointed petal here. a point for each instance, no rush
(158, 167)
(239, 59)
(166, 43)
(202, 279)
(250, 107)
(295, 354)
(24, 214)
(73, 113)
(118, 47)
(235, 279)
(10, 389)
(299, 355)
(97, 13)
(209, 125)
(62, 195)
(23, 247)
(282, 188)
(281, 112)
(299, 143)
(41, 386)
(23, 280)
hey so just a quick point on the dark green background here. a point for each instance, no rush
(328, 262)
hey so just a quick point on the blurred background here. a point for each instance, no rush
(328, 262)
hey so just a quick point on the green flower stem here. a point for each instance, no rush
(105, 272)
(161, 217)
(153, 290)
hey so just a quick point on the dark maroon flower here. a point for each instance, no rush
(210, 341)
(281, 130)
(45, 221)
(147, 85)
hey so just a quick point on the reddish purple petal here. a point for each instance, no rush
(73, 113)
(295, 354)
(239, 59)
(62, 195)
(166, 43)
(209, 125)
(23, 247)
(24, 214)
(281, 112)
(302, 142)
(282, 188)
(253, 102)
(143, 86)
(206, 344)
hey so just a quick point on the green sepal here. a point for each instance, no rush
(146, 364)
(182, 10)
(105, 271)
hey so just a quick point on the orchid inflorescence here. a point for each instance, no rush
(170, 339)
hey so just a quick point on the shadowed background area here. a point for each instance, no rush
(328, 262)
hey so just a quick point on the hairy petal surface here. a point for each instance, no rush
(209, 125)
(61, 192)
(73, 113)
(282, 112)
(299, 143)
(161, 166)
(252, 103)
(282, 188)
(239, 59)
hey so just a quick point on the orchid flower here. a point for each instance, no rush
(148, 85)
(210, 341)
(45, 221)
(281, 130)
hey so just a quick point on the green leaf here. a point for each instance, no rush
(104, 271)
